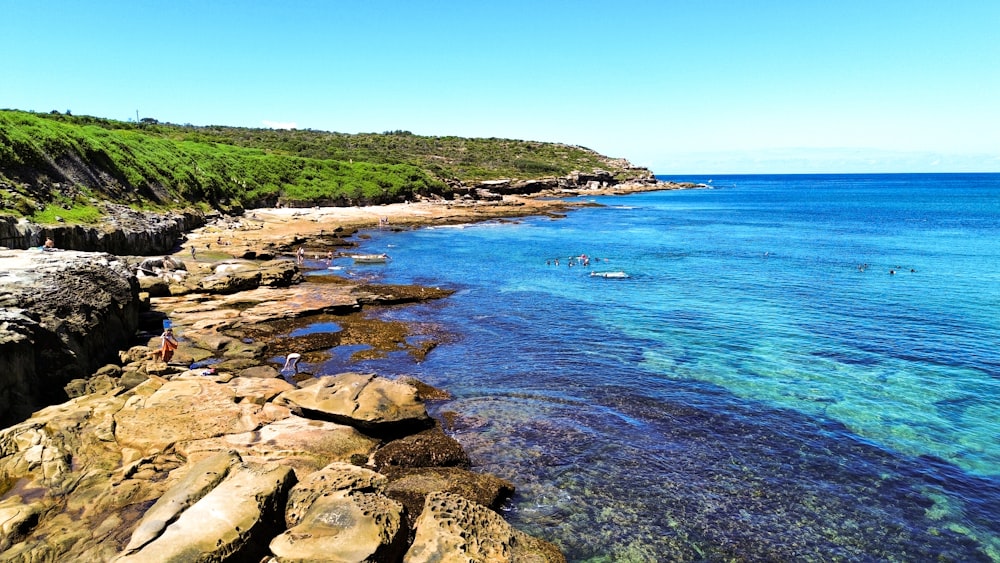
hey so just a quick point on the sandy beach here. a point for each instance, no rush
(278, 228)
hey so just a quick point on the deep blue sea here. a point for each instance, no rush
(797, 367)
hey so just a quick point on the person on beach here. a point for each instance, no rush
(300, 256)
(167, 345)
(49, 244)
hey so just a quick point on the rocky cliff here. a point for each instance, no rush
(123, 231)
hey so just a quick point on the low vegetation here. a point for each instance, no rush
(60, 165)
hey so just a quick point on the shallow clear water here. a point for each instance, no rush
(759, 387)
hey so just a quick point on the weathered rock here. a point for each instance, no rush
(279, 273)
(235, 364)
(303, 444)
(134, 354)
(411, 487)
(154, 286)
(231, 281)
(16, 520)
(124, 231)
(260, 305)
(199, 480)
(366, 401)
(262, 372)
(245, 350)
(335, 477)
(210, 340)
(451, 528)
(64, 315)
(429, 448)
(339, 514)
(17, 365)
(181, 410)
(130, 379)
(258, 391)
(98, 383)
(228, 523)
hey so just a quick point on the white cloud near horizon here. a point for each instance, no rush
(279, 124)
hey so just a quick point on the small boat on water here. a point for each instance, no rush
(370, 258)
(614, 275)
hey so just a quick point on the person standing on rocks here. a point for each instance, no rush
(167, 345)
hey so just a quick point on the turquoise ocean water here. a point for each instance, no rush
(760, 386)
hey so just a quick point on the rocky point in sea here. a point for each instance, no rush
(136, 459)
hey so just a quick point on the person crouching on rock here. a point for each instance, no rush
(167, 345)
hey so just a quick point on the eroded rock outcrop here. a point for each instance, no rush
(124, 231)
(452, 528)
(340, 514)
(209, 467)
(375, 404)
(64, 314)
(153, 461)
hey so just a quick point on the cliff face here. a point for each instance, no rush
(123, 232)
(63, 314)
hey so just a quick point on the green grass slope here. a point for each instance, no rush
(56, 164)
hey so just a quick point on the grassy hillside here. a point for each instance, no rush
(56, 164)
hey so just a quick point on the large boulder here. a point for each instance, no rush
(65, 314)
(339, 514)
(182, 410)
(366, 401)
(199, 480)
(228, 523)
(279, 273)
(231, 281)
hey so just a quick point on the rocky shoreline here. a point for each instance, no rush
(232, 460)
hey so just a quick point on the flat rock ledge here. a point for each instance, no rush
(210, 466)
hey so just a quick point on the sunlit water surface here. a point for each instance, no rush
(760, 386)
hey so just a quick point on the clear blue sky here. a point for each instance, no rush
(680, 86)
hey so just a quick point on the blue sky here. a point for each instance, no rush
(683, 87)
